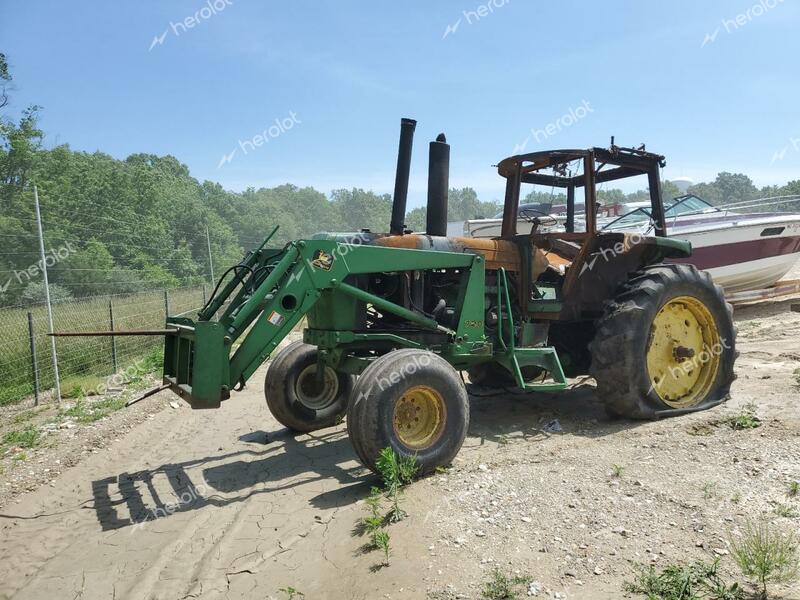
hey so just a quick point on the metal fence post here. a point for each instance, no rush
(210, 260)
(43, 267)
(166, 304)
(34, 364)
(113, 337)
(204, 295)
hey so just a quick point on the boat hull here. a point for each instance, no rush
(746, 255)
(742, 252)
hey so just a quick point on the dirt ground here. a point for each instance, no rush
(158, 502)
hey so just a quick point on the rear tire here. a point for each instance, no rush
(665, 345)
(412, 401)
(294, 396)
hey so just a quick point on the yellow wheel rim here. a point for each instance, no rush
(683, 352)
(419, 417)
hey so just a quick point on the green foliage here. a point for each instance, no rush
(698, 581)
(784, 510)
(35, 293)
(81, 360)
(4, 73)
(617, 470)
(747, 419)
(766, 555)
(503, 587)
(794, 489)
(24, 438)
(88, 412)
(78, 386)
(374, 520)
(27, 415)
(380, 539)
(292, 593)
(396, 471)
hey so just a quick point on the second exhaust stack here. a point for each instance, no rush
(438, 185)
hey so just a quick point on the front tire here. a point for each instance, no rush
(665, 345)
(296, 398)
(412, 401)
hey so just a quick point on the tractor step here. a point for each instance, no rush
(546, 358)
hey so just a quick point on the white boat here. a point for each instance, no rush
(741, 250)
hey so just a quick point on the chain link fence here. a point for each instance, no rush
(26, 362)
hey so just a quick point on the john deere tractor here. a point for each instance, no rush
(393, 318)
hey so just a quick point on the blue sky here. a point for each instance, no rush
(342, 73)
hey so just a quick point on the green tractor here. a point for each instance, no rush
(392, 319)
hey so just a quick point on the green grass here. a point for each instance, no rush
(796, 375)
(698, 581)
(794, 489)
(27, 415)
(395, 471)
(747, 419)
(77, 386)
(81, 358)
(85, 411)
(503, 587)
(23, 438)
(767, 555)
(617, 470)
(784, 510)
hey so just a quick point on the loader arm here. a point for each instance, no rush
(202, 360)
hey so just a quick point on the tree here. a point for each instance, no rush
(360, 209)
(5, 79)
(726, 188)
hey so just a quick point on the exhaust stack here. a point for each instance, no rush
(397, 225)
(438, 184)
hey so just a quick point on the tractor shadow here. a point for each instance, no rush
(501, 416)
(323, 466)
(282, 462)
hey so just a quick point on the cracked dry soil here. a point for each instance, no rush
(227, 504)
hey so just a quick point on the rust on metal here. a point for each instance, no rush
(148, 393)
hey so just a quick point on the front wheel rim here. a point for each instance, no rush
(683, 352)
(310, 393)
(419, 417)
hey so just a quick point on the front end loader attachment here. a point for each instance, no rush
(196, 363)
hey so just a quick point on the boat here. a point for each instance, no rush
(742, 250)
